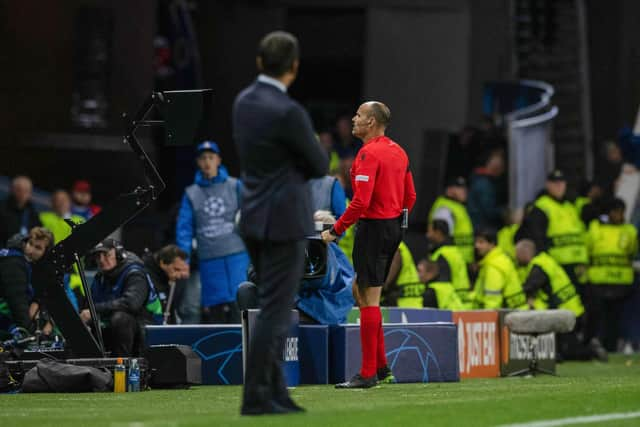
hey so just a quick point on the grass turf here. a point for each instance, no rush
(581, 389)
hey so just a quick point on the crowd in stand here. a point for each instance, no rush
(555, 253)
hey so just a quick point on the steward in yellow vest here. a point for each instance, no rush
(408, 284)
(54, 221)
(402, 287)
(451, 208)
(612, 247)
(506, 237)
(589, 203)
(548, 287)
(437, 294)
(452, 268)
(498, 284)
(554, 226)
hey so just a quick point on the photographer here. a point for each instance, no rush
(166, 267)
(124, 297)
(17, 307)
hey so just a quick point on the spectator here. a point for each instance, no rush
(451, 208)
(553, 225)
(612, 246)
(208, 213)
(124, 297)
(483, 205)
(608, 171)
(81, 197)
(55, 219)
(452, 268)
(17, 305)
(437, 294)
(166, 268)
(547, 286)
(347, 146)
(327, 141)
(17, 213)
(498, 284)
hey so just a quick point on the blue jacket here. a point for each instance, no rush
(185, 224)
(329, 299)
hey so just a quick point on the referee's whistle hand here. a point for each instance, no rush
(327, 237)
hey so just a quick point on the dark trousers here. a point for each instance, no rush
(571, 345)
(279, 267)
(124, 336)
(606, 311)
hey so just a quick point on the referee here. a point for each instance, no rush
(383, 187)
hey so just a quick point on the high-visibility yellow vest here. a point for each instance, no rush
(408, 282)
(562, 293)
(565, 231)
(506, 236)
(334, 163)
(498, 284)
(459, 273)
(580, 203)
(446, 295)
(611, 248)
(463, 227)
(57, 225)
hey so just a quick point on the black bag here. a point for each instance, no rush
(50, 376)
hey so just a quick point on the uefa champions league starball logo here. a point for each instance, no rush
(214, 206)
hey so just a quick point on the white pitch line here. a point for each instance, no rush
(577, 420)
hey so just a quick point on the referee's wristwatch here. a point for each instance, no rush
(332, 231)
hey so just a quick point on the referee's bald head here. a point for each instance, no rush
(379, 112)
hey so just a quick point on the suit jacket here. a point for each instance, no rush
(278, 154)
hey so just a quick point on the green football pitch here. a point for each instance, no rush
(581, 390)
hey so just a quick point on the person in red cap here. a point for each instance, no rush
(382, 188)
(81, 198)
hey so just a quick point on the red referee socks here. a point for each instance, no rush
(370, 321)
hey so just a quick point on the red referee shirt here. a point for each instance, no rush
(382, 183)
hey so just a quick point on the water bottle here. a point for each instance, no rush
(133, 383)
(119, 377)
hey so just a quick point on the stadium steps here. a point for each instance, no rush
(548, 43)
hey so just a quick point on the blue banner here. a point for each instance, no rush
(314, 354)
(416, 352)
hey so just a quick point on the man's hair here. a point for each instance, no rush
(41, 233)
(381, 113)
(169, 253)
(526, 245)
(441, 226)
(616, 204)
(487, 234)
(21, 179)
(278, 51)
(324, 217)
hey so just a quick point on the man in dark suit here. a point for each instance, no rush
(278, 154)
